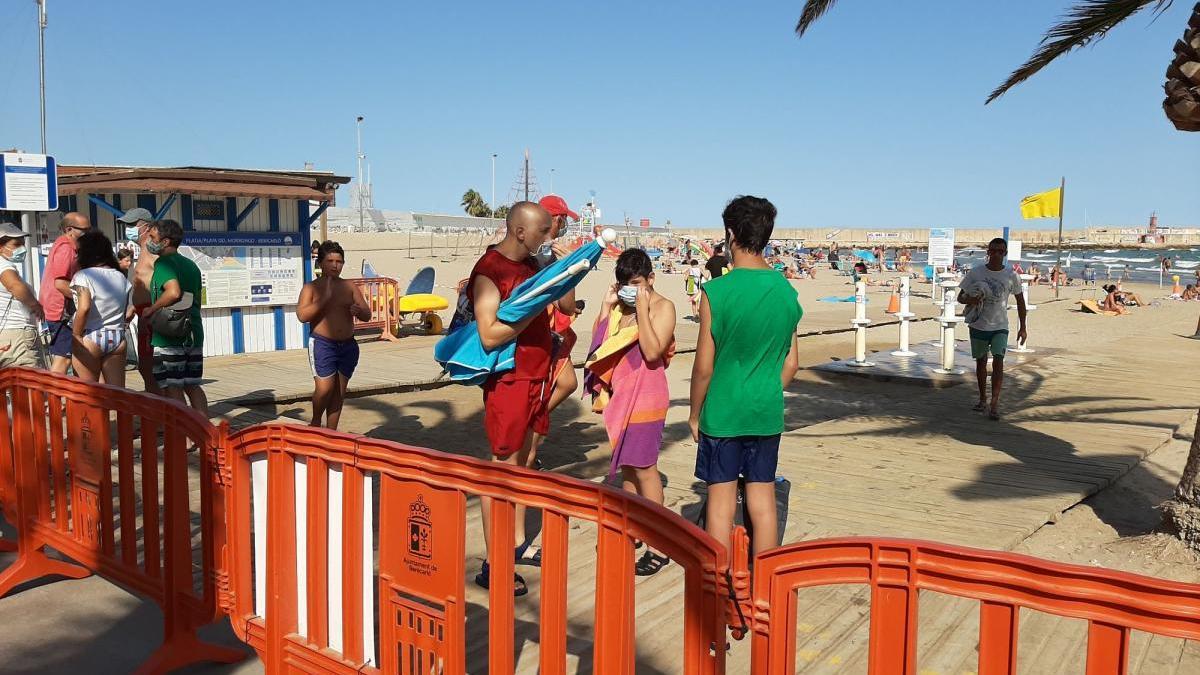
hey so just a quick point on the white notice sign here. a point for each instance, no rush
(941, 246)
(1014, 251)
(28, 182)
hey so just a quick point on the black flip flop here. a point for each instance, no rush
(534, 560)
(994, 416)
(483, 580)
(650, 564)
(979, 407)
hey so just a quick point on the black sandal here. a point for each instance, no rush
(650, 564)
(534, 560)
(483, 580)
(979, 407)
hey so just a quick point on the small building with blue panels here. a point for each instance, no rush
(249, 231)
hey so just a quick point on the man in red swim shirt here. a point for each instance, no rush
(514, 402)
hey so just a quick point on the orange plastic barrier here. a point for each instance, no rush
(317, 579)
(897, 570)
(60, 446)
(303, 590)
(382, 294)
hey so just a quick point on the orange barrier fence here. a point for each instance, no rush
(896, 570)
(334, 553)
(382, 294)
(305, 594)
(61, 442)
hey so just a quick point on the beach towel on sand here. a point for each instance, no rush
(1090, 307)
(631, 393)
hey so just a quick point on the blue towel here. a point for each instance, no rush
(461, 353)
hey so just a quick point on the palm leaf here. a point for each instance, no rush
(1086, 22)
(813, 10)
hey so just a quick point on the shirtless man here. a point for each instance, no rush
(137, 229)
(330, 304)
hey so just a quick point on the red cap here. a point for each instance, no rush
(556, 206)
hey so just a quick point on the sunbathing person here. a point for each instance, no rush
(1111, 302)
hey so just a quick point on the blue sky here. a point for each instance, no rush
(665, 109)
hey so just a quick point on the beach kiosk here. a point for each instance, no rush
(249, 231)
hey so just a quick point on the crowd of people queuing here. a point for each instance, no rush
(90, 295)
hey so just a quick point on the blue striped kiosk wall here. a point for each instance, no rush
(264, 322)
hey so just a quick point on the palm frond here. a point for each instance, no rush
(1084, 23)
(813, 10)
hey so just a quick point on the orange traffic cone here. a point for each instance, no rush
(894, 302)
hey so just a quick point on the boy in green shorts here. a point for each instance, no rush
(745, 356)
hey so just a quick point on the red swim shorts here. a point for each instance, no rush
(511, 408)
(144, 350)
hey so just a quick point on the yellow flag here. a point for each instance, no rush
(1046, 204)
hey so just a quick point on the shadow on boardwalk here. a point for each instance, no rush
(1048, 464)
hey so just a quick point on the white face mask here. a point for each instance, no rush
(628, 295)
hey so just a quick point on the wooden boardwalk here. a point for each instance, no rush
(863, 458)
(919, 463)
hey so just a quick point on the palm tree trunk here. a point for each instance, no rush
(1183, 512)
(1182, 104)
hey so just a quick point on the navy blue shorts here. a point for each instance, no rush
(721, 460)
(60, 338)
(327, 357)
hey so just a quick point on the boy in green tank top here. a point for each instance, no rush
(745, 356)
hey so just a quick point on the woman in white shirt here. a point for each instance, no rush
(102, 311)
(19, 305)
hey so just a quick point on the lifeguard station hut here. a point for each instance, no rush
(249, 231)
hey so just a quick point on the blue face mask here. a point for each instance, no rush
(628, 295)
(131, 232)
(18, 255)
(156, 247)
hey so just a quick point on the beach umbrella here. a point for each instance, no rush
(462, 354)
(866, 256)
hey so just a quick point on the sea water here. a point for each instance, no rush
(1134, 264)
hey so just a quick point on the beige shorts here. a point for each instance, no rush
(18, 347)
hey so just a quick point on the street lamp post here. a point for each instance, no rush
(42, 66)
(493, 185)
(551, 181)
(360, 194)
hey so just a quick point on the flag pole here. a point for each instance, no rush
(1062, 194)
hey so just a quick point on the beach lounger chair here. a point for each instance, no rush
(1090, 307)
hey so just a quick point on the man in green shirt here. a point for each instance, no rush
(178, 360)
(745, 356)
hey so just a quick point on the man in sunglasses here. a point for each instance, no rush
(55, 291)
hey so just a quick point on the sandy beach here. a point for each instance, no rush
(853, 442)
(1092, 438)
